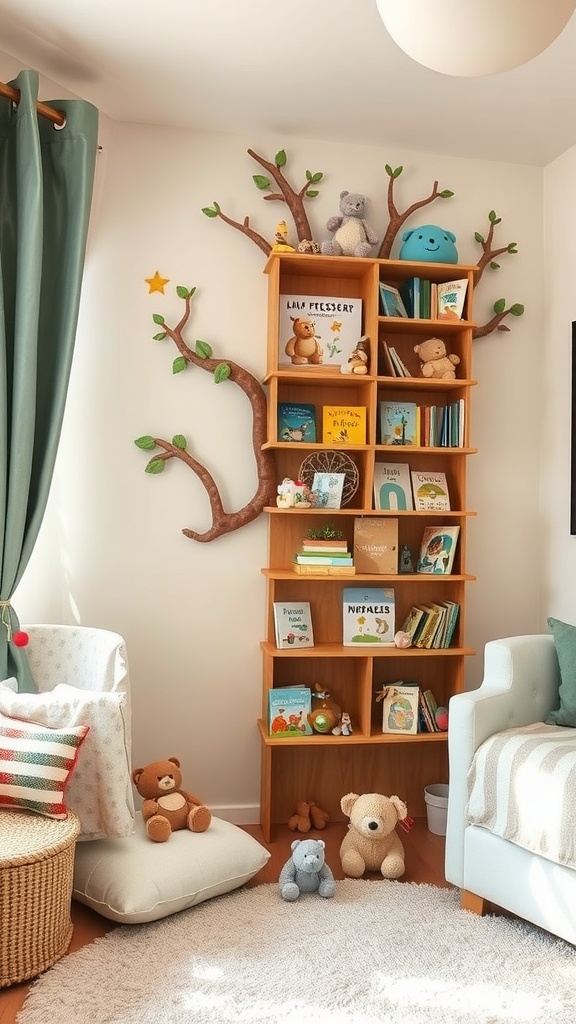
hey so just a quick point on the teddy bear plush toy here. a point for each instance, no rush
(304, 346)
(371, 843)
(306, 871)
(307, 816)
(167, 807)
(435, 361)
(352, 235)
(429, 244)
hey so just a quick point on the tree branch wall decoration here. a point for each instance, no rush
(164, 451)
(295, 199)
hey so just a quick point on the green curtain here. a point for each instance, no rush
(46, 184)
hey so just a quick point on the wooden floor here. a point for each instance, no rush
(424, 863)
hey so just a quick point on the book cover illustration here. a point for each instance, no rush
(327, 489)
(368, 616)
(288, 710)
(318, 331)
(437, 549)
(343, 424)
(450, 299)
(392, 486)
(399, 423)
(430, 491)
(296, 422)
(391, 301)
(376, 545)
(400, 707)
(293, 625)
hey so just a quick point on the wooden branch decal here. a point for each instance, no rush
(285, 193)
(397, 219)
(222, 522)
(488, 260)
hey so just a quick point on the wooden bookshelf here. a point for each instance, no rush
(324, 768)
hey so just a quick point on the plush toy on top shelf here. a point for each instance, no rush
(359, 358)
(352, 235)
(429, 244)
(435, 360)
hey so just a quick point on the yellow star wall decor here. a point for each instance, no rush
(157, 283)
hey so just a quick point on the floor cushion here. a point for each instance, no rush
(134, 880)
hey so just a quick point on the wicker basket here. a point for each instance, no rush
(36, 871)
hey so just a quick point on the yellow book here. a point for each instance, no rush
(343, 424)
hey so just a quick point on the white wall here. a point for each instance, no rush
(111, 552)
(557, 594)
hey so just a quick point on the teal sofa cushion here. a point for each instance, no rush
(565, 642)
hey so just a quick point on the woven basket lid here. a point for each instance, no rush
(26, 837)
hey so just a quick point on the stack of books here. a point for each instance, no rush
(431, 626)
(324, 557)
(428, 709)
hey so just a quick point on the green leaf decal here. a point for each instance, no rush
(389, 170)
(317, 177)
(182, 292)
(222, 372)
(159, 337)
(494, 266)
(280, 158)
(210, 211)
(478, 237)
(203, 349)
(155, 466)
(512, 248)
(311, 193)
(397, 172)
(158, 318)
(517, 309)
(446, 194)
(179, 364)
(500, 305)
(260, 181)
(146, 442)
(179, 441)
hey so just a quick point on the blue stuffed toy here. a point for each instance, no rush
(429, 244)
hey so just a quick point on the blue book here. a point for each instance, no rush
(296, 422)
(410, 292)
(288, 710)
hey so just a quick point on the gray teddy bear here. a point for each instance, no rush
(306, 871)
(352, 235)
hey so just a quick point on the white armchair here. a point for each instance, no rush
(82, 677)
(520, 686)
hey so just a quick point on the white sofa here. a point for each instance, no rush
(520, 686)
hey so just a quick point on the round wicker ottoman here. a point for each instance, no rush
(36, 870)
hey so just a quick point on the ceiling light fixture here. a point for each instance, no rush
(474, 37)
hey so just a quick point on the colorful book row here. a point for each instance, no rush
(408, 424)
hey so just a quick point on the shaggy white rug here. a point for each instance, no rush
(379, 952)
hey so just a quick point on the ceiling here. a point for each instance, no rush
(324, 69)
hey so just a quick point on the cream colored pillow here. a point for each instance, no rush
(135, 880)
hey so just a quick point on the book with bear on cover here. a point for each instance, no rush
(368, 616)
(318, 331)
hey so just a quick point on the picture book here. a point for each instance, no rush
(437, 549)
(410, 292)
(343, 424)
(288, 710)
(376, 545)
(318, 331)
(391, 301)
(450, 299)
(368, 616)
(400, 708)
(327, 490)
(293, 624)
(430, 491)
(392, 486)
(399, 423)
(296, 422)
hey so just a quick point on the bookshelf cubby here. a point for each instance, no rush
(323, 768)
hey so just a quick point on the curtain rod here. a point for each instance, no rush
(56, 116)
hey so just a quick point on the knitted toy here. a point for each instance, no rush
(429, 244)
(306, 871)
(166, 806)
(435, 361)
(371, 843)
(352, 235)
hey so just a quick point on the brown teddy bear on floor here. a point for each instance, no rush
(372, 843)
(166, 806)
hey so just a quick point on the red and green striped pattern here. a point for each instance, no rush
(36, 763)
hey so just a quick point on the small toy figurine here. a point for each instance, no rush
(293, 492)
(346, 724)
(281, 243)
(406, 559)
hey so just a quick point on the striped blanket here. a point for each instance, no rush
(522, 786)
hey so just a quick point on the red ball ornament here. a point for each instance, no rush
(20, 639)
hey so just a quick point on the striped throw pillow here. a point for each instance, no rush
(36, 764)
